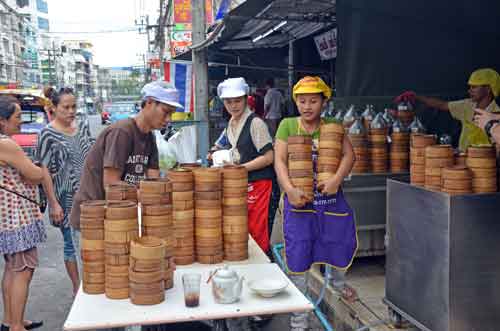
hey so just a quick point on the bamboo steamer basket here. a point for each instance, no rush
(456, 172)
(439, 163)
(327, 168)
(155, 199)
(331, 144)
(156, 210)
(147, 289)
(121, 225)
(401, 137)
(147, 299)
(93, 209)
(483, 172)
(481, 152)
(147, 248)
(207, 175)
(305, 181)
(481, 162)
(235, 201)
(116, 259)
(182, 187)
(210, 259)
(91, 223)
(323, 176)
(116, 248)
(330, 153)
(234, 183)
(235, 210)
(183, 215)
(116, 294)
(208, 213)
(377, 139)
(93, 266)
(207, 186)
(121, 210)
(300, 165)
(207, 196)
(237, 256)
(160, 220)
(121, 191)
(155, 186)
(439, 152)
(92, 245)
(422, 140)
(146, 265)
(163, 232)
(299, 148)
(332, 128)
(182, 196)
(92, 256)
(146, 277)
(117, 270)
(93, 278)
(236, 220)
(208, 223)
(180, 175)
(208, 204)
(299, 140)
(330, 136)
(93, 288)
(236, 192)
(190, 166)
(234, 172)
(456, 184)
(92, 234)
(183, 205)
(185, 260)
(300, 157)
(233, 239)
(300, 173)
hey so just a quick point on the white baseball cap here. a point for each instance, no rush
(162, 92)
(233, 88)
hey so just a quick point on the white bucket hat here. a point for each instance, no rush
(161, 92)
(233, 88)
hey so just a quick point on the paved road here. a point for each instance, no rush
(50, 295)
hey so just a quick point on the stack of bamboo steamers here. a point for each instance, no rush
(330, 150)
(208, 215)
(92, 246)
(157, 221)
(235, 212)
(437, 157)
(147, 271)
(418, 143)
(120, 228)
(482, 163)
(300, 163)
(183, 202)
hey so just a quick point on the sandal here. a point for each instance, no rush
(28, 326)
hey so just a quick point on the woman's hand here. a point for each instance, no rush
(297, 197)
(329, 186)
(481, 117)
(56, 212)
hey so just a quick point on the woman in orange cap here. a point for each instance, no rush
(484, 87)
(321, 231)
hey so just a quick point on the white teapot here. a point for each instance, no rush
(226, 285)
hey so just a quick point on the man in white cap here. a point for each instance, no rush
(126, 150)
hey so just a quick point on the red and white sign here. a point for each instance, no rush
(182, 11)
(326, 44)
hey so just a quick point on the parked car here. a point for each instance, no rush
(33, 114)
(120, 111)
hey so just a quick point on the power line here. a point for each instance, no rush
(94, 32)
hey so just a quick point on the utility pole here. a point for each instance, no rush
(200, 71)
(162, 22)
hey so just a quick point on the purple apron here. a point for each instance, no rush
(322, 232)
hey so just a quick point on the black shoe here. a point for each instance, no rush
(4, 328)
(33, 325)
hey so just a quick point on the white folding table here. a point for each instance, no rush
(98, 312)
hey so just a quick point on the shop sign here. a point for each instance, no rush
(182, 11)
(179, 47)
(326, 44)
(181, 36)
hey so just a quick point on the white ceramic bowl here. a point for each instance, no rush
(267, 288)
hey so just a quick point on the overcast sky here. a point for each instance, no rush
(110, 49)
